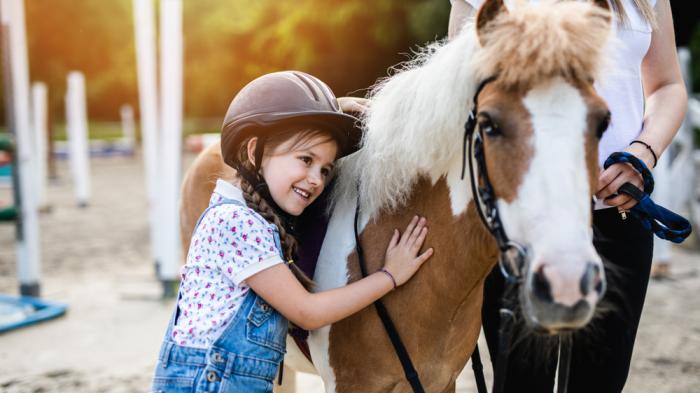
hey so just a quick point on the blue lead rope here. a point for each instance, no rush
(664, 223)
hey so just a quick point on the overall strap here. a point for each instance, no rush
(176, 312)
(223, 201)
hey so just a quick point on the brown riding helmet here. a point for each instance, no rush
(281, 100)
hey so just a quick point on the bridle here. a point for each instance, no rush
(512, 256)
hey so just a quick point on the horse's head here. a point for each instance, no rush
(541, 120)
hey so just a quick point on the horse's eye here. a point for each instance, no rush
(602, 126)
(487, 126)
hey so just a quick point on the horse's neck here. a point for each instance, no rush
(439, 307)
(464, 252)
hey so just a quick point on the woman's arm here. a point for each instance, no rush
(664, 89)
(278, 286)
(666, 101)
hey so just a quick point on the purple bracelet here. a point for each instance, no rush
(390, 276)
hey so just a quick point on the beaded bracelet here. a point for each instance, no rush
(648, 147)
(391, 276)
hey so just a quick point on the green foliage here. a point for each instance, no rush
(347, 43)
(695, 57)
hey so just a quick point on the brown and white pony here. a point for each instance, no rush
(543, 119)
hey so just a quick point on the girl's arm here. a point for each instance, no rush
(666, 101)
(278, 286)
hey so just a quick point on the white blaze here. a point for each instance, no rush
(551, 213)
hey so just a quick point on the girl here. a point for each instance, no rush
(282, 133)
(647, 98)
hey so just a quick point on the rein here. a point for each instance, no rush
(409, 371)
(664, 223)
(511, 258)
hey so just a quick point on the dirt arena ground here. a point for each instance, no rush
(96, 260)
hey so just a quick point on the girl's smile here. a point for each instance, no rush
(297, 175)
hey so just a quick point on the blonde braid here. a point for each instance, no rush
(289, 243)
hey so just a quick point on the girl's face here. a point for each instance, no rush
(297, 175)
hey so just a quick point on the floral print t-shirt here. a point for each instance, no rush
(231, 243)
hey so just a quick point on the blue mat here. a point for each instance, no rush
(5, 171)
(17, 312)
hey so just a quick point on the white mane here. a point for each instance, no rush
(414, 126)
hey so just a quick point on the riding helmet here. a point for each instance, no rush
(285, 99)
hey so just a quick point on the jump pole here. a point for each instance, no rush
(128, 133)
(170, 159)
(16, 83)
(41, 134)
(144, 33)
(76, 119)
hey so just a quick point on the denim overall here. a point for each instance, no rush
(245, 358)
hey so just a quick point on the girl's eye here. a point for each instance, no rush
(306, 159)
(325, 172)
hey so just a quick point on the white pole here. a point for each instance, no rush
(76, 119)
(41, 134)
(128, 134)
(148, 108)
(28, 244)
(171, 137)
(676, 168)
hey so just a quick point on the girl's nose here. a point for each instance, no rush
(315, 178)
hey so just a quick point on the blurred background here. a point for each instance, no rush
(88, 249)
(346, 43)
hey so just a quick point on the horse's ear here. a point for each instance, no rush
(487, 13)
(603, 4)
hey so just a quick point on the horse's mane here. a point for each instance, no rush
(414, 124)
(409, 130)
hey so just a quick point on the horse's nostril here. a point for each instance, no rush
(541, 287)
(591, 280)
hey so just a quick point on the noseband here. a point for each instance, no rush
(511, 259)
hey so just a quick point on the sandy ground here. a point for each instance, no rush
(96, 260)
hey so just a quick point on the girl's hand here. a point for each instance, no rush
(353, 105)
(616, 175)
(402, 259)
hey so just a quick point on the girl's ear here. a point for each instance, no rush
(252, 143)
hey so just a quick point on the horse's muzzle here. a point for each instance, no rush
(553, 304)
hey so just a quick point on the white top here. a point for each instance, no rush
(621, 85)
(230, 244)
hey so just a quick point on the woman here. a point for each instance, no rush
(647, 99)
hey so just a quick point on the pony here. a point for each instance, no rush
(541, 120)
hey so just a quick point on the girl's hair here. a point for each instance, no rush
(643, 6)
(301, 138)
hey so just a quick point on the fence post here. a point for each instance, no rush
(148, 111)
(79, 150)
(170, 158)
(41, 136)
(16, 72)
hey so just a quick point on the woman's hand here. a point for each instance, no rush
(616, 175)
(402, 259)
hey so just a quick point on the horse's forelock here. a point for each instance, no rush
(536, 42)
